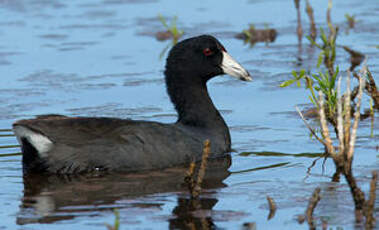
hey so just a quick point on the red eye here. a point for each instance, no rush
(207, 52)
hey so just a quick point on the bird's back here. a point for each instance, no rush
(60, 144)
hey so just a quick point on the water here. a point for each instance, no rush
(99, 58)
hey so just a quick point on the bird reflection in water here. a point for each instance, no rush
(52, 198)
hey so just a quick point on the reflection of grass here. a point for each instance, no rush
(277, 154)
(263, 167)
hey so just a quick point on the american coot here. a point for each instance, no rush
(63, 145)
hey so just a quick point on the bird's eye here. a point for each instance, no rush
(207, 52)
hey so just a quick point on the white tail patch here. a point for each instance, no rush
(40, 142)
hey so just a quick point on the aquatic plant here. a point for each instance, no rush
(248, 32)
(328, 48)
(116, 224)
(172, 30)
(346, 132)
(351, 20)
(319, 82)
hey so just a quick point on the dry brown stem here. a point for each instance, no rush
(329, 18)
(357, 115)
(272, 206)
(189, 179)
(370, 218)
(324, 127)
(347, 107)
(313, 201)
(309, 11)
(203, 167)
(372, 89)
(299, 29)
(339, 117)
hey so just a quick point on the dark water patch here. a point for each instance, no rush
(109, 26)
(5, 62)
(13, 111)
(27, 6)
(71, 49)
(70, 46)
(273, 82)
(13, 23)
(113, 110)
(143, 82)
(248, 128)
(229, 82)
(288, 114)
(7, 54)
(80, 44)
(98, 14)
(118, 2)
(263, 142)
(47, 3)
(48, 78)
(96, 86)
(267, 63)
(57, 37)
(148, 21)
(118, 75)
(22, 92)
(225, 111)
(120, 57)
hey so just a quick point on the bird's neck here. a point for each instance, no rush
(192, 102)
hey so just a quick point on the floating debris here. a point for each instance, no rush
(253, 35)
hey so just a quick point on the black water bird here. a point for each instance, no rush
(65, 145)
